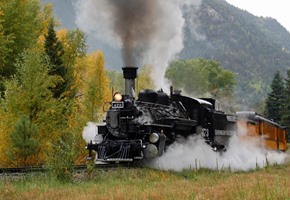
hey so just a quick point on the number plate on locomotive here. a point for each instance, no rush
(117, 104)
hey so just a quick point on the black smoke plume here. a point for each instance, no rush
(148, 32)
(133, 22)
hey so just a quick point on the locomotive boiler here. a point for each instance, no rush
(143, 128)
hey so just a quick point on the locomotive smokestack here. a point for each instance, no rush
(129, 74)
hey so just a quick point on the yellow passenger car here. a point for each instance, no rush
(272, 134)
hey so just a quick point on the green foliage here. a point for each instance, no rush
(221, 81)
(21, 25)
(54, 50)
(28, 94)
(75, 46)
(276, 98)
(5, 41)
(28, 91)
(203, 78)
(286, 109)
(117, 81)
(60, 160)
(74, 43)
(23, 141)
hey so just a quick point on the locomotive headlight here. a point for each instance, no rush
(153, 137)
(117, 96)
(151, 151)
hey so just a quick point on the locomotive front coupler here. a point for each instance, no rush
(90, 146)
(219, 148)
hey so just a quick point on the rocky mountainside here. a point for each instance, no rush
(252, 47)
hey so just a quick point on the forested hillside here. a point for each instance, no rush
(254, 48)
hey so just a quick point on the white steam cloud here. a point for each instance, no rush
(90, 132)
(242, 154)
(147, 31)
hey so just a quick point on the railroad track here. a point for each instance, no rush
(77, 168)
(21, 170)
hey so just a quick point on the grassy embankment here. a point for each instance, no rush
(272, 182)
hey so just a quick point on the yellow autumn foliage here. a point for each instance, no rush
(95, 87)
(4, 135)
(144, 80)
(62, 36)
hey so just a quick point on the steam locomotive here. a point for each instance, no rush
(144, 128)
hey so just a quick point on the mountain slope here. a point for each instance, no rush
(248, 45)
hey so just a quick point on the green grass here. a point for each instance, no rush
(272, 182)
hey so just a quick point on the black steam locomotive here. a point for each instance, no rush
(144, 128)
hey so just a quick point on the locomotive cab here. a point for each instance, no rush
(214, 126)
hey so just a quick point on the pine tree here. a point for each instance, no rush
(24, 143)
(54, 50)
(286, 109)
(74, 44)
(275, 100)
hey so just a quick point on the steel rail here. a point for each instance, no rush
(25, 170)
